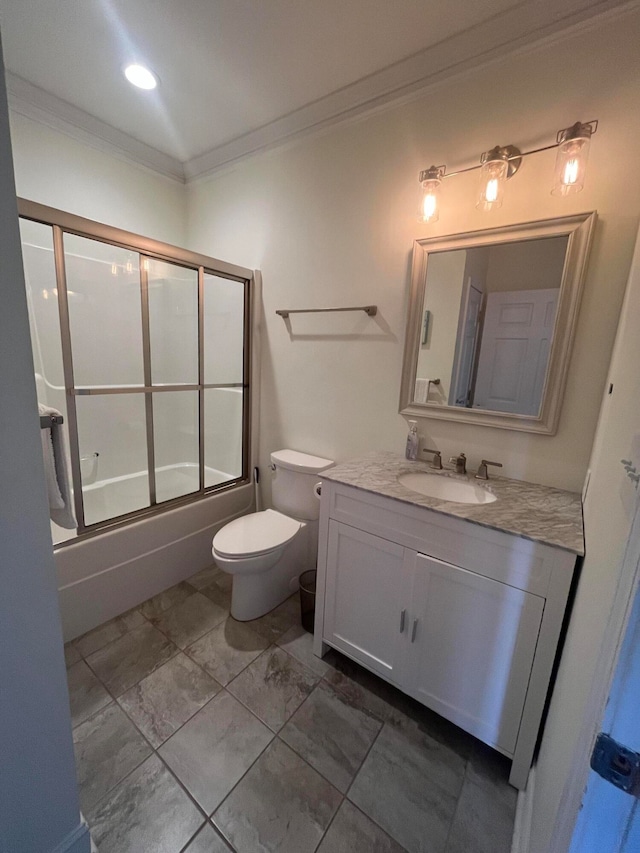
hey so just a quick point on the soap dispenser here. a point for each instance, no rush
(412, 441)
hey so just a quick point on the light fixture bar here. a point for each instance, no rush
(592, 125)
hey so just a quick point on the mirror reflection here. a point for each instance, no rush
(488, 318)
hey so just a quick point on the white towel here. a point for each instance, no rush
(56, 468)
(421, 392)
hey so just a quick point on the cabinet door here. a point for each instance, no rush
(365, 588)
(471, 646)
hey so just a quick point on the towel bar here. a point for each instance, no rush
(47, 421)
(371, 310)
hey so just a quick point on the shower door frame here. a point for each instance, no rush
(62, 222)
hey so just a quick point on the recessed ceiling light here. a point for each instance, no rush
(140, 76)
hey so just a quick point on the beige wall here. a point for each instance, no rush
(53, 169)
(331, 220)
(527, 265)
(445, 278)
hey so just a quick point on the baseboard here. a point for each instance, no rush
(521, 842)
(77, 841)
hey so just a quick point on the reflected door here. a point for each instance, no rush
(463, 364)
(514, 352)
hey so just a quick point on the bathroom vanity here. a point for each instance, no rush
(459, 605)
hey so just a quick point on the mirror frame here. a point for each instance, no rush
(579, 229)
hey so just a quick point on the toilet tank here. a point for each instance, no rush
(295, 477)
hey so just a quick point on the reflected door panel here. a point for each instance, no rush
(514, 352)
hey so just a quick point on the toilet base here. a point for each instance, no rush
(253, 596)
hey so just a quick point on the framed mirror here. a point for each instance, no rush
(492, 318)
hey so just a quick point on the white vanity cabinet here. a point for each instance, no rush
(464, 618)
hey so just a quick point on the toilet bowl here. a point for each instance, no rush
(266, 551)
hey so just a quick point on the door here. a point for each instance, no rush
(471, 646)
(609, 820)
(600, 816)
(514, 352)
(462, 373)
(365, 590)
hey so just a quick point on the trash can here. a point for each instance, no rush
(308, 599)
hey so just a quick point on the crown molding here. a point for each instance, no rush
(503, 34)
(518, 28)
(41, 106)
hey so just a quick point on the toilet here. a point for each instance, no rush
(267, 551)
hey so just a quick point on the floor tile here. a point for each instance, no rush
(211, 752)
(228, 649)
(126, 661)
(190, 619)
(383, 700)
(167, 698)
(482, 822)
(278, 621)
(489, 769)
(485, 813)
(409, 787)
(281, 804)
(164, 600)
(71, 654)
(274, 686)
(204, 577)
(86, 693)
(98, 638)
(299, 643)
(107, 748)
(353, 832)
(207, 841)
(219, 589)
(332, 735)
(147, 813)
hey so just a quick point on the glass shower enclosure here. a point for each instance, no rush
(144, 349)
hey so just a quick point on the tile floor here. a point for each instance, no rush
(197, 733)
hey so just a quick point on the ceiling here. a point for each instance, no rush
(239, 76)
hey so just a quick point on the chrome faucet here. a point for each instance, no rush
(436, 462)
(482, 470)
(460, 462)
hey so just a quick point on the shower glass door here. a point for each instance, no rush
(149, 359)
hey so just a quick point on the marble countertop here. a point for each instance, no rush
(541, 513)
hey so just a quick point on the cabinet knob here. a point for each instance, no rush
(414, 628)
(402, 619)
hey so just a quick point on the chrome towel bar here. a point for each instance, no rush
(371, 310)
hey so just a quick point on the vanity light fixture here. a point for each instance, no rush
(571, 160)
(140, 76)
(430, 179)
(502, 162)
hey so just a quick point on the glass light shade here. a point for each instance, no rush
(571, 164)
(430, 201)
(493, 177)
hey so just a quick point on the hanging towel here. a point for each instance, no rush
(56, 469)
(421, 394)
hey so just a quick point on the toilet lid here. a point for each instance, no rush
(255, 534)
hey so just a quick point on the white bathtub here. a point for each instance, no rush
(101, 576)
(108, 499)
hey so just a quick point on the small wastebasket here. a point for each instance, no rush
(308, 599)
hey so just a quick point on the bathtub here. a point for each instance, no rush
(101, 576)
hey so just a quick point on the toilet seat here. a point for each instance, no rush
(255, 534)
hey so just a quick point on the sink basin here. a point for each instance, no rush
(446, 488)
